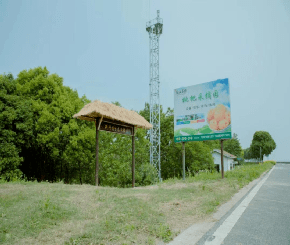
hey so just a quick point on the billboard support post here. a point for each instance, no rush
(183, 159)
(222, 158)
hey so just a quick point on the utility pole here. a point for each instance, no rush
(154, 28)
(260, 155)
(183, 159)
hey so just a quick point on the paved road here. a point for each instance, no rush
(262, 217)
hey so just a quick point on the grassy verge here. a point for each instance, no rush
(44, 213)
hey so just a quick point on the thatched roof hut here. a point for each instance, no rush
(110, 111)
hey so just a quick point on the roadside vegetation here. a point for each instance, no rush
(47, 166)
(55, 213)
(40, 140)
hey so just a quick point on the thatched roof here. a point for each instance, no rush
(98, 109)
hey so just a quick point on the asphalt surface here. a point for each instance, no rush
(264, 219)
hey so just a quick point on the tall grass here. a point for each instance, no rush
(244, 174)
(45, 213)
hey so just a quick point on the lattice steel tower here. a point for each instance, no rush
(154, 28)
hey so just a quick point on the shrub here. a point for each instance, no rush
(270, 161)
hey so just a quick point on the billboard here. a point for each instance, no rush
(202, 112)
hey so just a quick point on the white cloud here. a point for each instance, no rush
(223, 97)
(220, 86)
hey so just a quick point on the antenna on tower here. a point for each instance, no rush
(154, 28)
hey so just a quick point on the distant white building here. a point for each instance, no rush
(228, 160)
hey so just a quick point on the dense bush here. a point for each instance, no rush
(270, 161)
(40, 139)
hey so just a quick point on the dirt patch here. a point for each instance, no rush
(180, 215)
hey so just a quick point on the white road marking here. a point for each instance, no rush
(221, 233)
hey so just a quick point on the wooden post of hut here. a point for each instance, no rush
(133, 157)
(112, 118)
(97, 153)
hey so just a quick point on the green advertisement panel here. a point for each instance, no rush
(202, 112)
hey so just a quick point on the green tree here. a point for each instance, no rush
(52, 105)
(15, 127)
(167, 142)
(233, 146)
(197, 157)
(213, 144)
(198, 154)
(247, 153)
(242, 154)
(115, 157)
(262, 143)
(37, 129)
(79, 157)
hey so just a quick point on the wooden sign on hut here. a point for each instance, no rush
(115, 119)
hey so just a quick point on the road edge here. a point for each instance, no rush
(196, 232)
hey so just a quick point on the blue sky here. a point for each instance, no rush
(101, 48)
